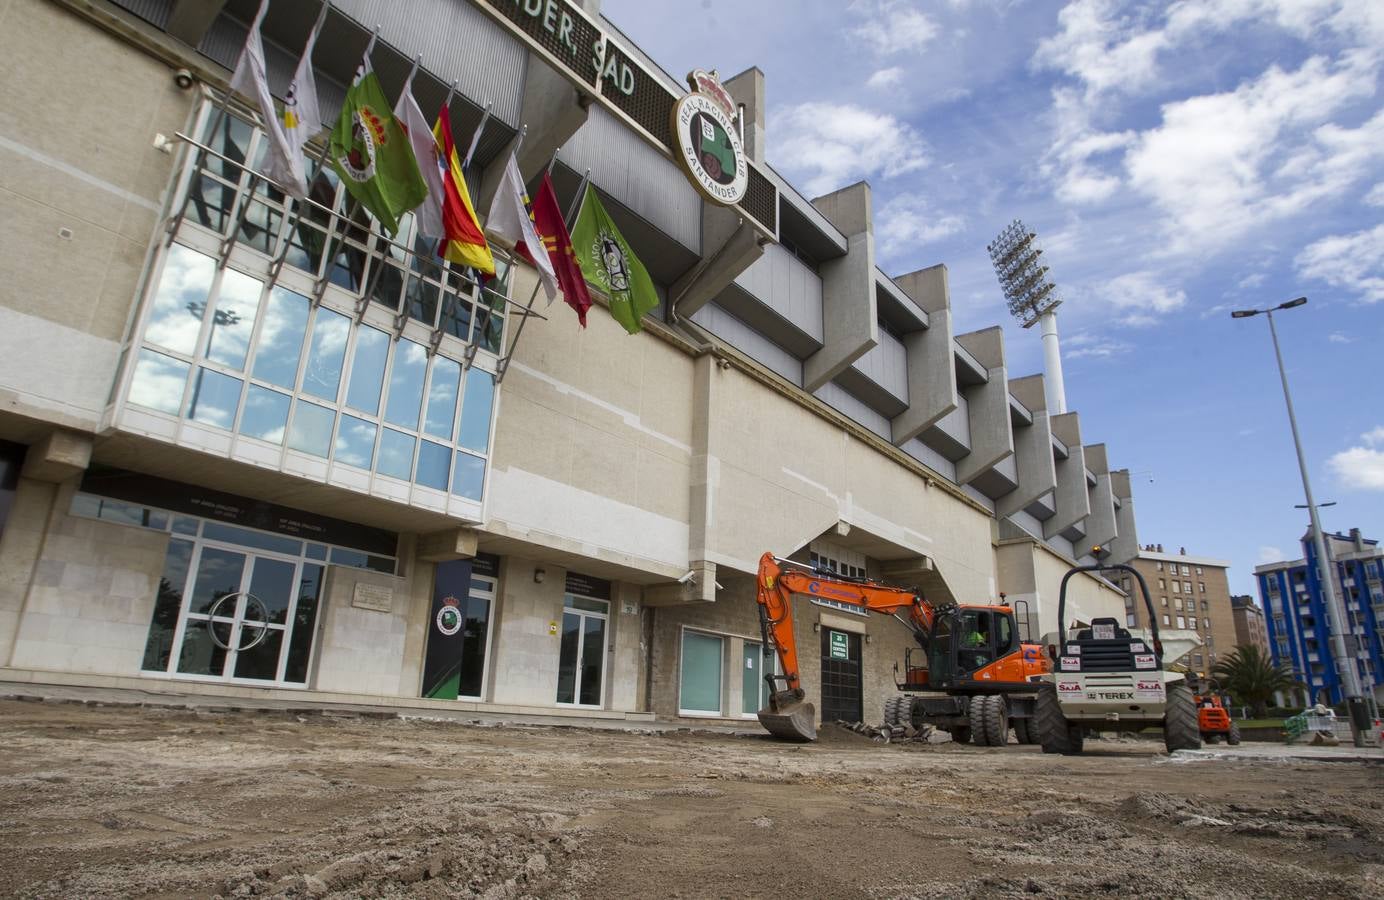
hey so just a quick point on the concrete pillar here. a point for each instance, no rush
(1125, 546)
(992, 430)
(1032, 449)
(449, 544)
(849, 326)
(705, 472)
(748, 90)
(58, 456)
(1100, 526)
(931, 371)
(1071, 499)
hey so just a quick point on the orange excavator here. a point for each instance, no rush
(978, 673)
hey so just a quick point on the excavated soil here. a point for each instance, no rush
(148, 802)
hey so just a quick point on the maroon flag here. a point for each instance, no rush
(548, 222)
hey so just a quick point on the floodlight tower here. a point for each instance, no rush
(1032, 297)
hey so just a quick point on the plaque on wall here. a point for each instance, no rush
(373, 596)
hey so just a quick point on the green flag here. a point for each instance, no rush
(609, 264)
(372, 155)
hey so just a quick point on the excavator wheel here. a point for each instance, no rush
(789, 717)
(996, 721)
(980, 735)
(1055, 734)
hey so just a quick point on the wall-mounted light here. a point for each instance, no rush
(539, 573)
(816, 627)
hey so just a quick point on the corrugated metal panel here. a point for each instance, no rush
(223, 42)
(837, 398)
(886, 365)
(626, 167)
(750, 342)
(155, 12)
(930, 457)
(781, 282)
(458, 42)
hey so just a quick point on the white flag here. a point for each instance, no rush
(284, 162)
(510, 221)
(420, 137)
(302, 119)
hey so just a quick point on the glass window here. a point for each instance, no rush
(441, 411)
(245, 537)
(1181, 622)
(701, 674)
(355, 442)
(159, 381)
(586, 604)
(1165, 618)
(474, 433)
(312, 429)
(214, 399)
(434, 461)
(329, 334)
(367, 370)
(396, 455)
(234, 319)
(406, 384)
(1186, 571)
(280, 343)
(357, 559)
(265, 416)
(94, 507)
(181, 299)
(469, 477)
(169, 601)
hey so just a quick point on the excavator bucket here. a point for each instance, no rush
(789, 718)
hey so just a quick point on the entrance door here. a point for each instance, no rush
(841, 690)
(754, 690)
(581, 664)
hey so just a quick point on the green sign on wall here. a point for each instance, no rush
(840, 649)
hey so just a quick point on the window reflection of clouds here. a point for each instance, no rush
(281, 338)
(396, 455)
(474, 433)
(181, 299)
(214, 398)
(266, 414)
(469, 477)
(433, 462)
(355, 442)
(442, 397)
(158, 382)
(237, 304)
(329, 335)
(406, 384)
(312, 429)
(367, 369)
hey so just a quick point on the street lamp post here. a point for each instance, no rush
(1336, 614)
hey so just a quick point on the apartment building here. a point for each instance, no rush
(250, 444)
(1189, 593)
(1250, 630)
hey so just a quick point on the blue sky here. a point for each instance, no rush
(1177, 160)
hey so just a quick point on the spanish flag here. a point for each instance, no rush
(465, 243)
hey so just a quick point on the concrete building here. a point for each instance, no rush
(1189, 593)
(1250, 630)
(249, 445)
(1298, 627)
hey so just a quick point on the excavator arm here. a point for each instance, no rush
(788, 714)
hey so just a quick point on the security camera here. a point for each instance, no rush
(688, 577)
(184, 79)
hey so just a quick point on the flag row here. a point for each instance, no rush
(392, 163)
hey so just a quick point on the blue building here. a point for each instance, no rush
(1298, 624)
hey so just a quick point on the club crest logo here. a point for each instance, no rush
(449, 616)
(614, 274)
(706, 138)
(367, 132)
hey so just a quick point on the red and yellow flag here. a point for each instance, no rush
(465, 243)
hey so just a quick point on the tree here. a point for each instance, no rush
(1251, 677)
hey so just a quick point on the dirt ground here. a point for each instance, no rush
(149, 802)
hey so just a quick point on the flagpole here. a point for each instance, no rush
(476, 138)
(552, 160)
(577, 200)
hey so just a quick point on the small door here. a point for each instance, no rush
(754, 689)
(841, 687)
(581, 660)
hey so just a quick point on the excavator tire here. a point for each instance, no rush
(1180, 727)
(1021, 730)
(790, 720)
(898, 711)
(980, 736)
(1234, 737)
(1054, 733)
(996, 720)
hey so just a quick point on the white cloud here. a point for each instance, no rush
(1337, 337)
(830, 145)
(1270, 555)
(1351, 262)
(908, 220)
(885, 78)
(892, 26)
(1376, 195)
(1374, 437)
(1361, 467)
(1141, 298)
(1083, 344)
(1252, 280)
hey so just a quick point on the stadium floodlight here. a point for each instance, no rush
(1032, 297)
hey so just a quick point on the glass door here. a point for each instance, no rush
(581, 663)
(754, 689)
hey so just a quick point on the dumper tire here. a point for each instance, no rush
(996, 714)
(1233, 738)
(1021, 731)
(1054, 732)
(1181, 730)
(980, 735)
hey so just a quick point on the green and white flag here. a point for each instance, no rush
(608, 264)
(372, 154)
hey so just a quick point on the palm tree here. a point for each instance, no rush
(1251, 677)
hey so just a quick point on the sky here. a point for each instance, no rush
(1177, 160)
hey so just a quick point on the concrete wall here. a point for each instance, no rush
(1030, 572)
(79, 180)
